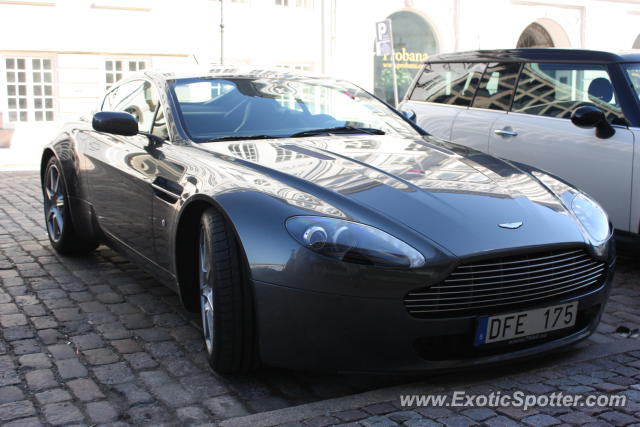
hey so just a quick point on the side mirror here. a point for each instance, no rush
(410, 114)
(116, 123)
(123, 124)
(590, 116)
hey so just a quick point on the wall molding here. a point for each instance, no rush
(73, 52)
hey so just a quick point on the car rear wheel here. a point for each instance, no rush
(57, 213)
(226, 302)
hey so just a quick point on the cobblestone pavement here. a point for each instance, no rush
(613, 375)
(95, 340)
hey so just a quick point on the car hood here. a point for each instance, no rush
(463, 200)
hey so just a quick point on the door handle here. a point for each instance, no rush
(505, 132)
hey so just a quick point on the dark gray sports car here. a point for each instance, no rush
(313, 226)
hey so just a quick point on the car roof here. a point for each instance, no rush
(537, 54)
(218, 71)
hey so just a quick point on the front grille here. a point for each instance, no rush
(509, 282)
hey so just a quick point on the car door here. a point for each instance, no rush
(491, 101)
(169, 168)
(538, 131)
(442, 91)
(120, 170)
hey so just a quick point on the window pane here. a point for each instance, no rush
(37, 103)
(555, 90)
(49, 116)
(35, 64)
(497, 86)
(48, 90)
(23, 116)
(13, 116)
(22, 77)
(12, 103)
(37, 90)
(10, 63)
(46, 64)
(36, 78)
(109, 65)
(118, 65)
(39, 116)
(11, 77)
(47, 77)
(22, 90)
(48, 103)
(132, 65)
(142, 65)
(453, 83)
(22, 103)
(11, 90)
(20, 63)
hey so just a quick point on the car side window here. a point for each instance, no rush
(450, 83)
(496, 87)
(138, 98)
(555, 90)
(115, 96)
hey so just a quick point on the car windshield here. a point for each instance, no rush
(264, 107)
(633, 71)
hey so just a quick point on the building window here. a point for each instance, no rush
(307, 4)
(535, 35)
(298, 67)
(116, 69)
(29, 89)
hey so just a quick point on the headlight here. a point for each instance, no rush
(592, 217)
(353, 242)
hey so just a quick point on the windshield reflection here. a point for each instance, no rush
(214, 108)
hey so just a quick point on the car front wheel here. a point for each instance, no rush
(225, 297)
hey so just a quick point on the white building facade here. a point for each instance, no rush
(58, 57)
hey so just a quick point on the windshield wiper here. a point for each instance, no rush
(339, 129)
(240, 137)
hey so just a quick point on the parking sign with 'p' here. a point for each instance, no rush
(384, 38)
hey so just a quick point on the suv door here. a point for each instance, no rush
(441, 92)
(491, 101)
(538, 131)
(120, 175)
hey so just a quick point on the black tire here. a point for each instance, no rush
(230, 345)
(64, 239)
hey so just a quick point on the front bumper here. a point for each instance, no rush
(327, 332)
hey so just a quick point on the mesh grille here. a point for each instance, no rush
(507, 283)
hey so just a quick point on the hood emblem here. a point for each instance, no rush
(511, 225)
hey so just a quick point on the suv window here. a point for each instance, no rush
(497, 85)
(138, 98)
(555, 90)
(452, 83)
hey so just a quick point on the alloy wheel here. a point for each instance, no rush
(206, 292)
(54, 203)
